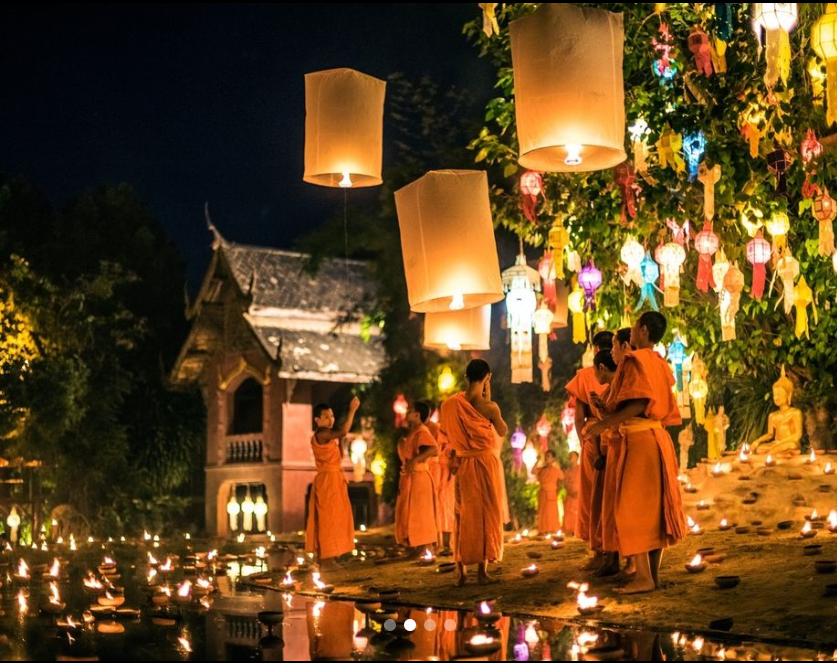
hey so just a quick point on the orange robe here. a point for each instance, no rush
(571, 481)
(649, 512)
(598, 487)
(582, 386)
(331, 630)
(445, 486)
(548, 477)
(415, 509)
(610, 534)
(330, 530)
(479, 530)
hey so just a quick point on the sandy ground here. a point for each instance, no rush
(781, 594)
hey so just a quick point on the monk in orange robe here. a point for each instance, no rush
(649, 513)
(583, 386)
(605, 369)
(330, 530)
(470, 420)
(440, 469)
(415, 509)
(330, 630)
(571, 481)
(549, 477)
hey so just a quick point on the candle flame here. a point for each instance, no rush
(23, 569)
(832, 519)
(167, 566)
(22, 604)
(813, 457)
(317, 610)
(346, 182)
(151, 559)
(769, 459)
(532, 567)
(485, 608)
(697, 645)
(152, 573)
(315, 578)
(806, 528)
(479, 640)
(743, 456)
(288, 580)
(717, 469)
(184, 643)
(724, 522)
(696, 529)
(814, 515)
(828, 468)
(108, 561)
(428, 555)
(54, 596)
(185, 589)
(690, 522)
(92, 583)
(55, 569)
(212, 554)
(203, 583)
(697, 560)
(70, 622)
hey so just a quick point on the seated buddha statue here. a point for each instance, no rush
(784, 427)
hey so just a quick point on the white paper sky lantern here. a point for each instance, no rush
(468, 329)
(344, 120)
(447, 240)
(569, 91)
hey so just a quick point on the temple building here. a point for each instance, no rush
(270, 339)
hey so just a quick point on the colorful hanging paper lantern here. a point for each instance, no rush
(694, 146)
(824, 210)
(778, 162)
(344, 119)
(531, 186)
(542, 320)
(787, 268)
(650, 274)
(680, 234)
(753, 128)
(447, 240)
(639, 132)
(547, 272)
(677, 356)
(758, 255)
(706, 244)
(730, 301)
(671, 258)
(467, 329)
(669, 149)
(824, 43)
(632, 254)
(575, 302)
(569, 92)
(625, 179)
(559, 239)
(664, 67)
(778, 226)
(518, 441)
(698, 43)
(777, 19)
(561, 310)
(709, 178)
(698, 390)
(804, 298)
(400, 406)
(811, 149)
(720, 269)
(544, 428)
(590, 279)
(521, 282)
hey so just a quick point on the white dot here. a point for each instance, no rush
(450, 625)
(410, 625)
(389, 624)
(430, 625)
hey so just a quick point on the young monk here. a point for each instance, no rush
(610, 535)
(330, 530)
(571, 480)
(649, 513)
(549, 477)
(605, 369)
(444, 481)
(415, 509)
(583, 386)
(470, 420)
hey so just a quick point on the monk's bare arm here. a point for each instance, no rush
(326, 435)
(425, 452)
(580, 415)
(496, 418)
(630, 409)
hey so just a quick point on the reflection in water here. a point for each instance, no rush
(235, 623)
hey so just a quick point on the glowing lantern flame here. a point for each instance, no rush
(288, 579)
(184, 643)
(22, 604)
(92, 583)
(55, 569)
(315, 578)
(54, 596)
(814, 515)
(203, 583)
(832, 520)
(697, 560)
(185, 589)
(428, 555)
(167, 566)
(486, 609)
(479, 640)
(152, 573)
(152, 559)
(812, 458)
(806, 528)
(23, 569)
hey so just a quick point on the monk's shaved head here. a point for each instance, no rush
(603, 340)
(477, 371)
(655, 323)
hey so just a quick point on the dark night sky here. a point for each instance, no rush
(195, 103)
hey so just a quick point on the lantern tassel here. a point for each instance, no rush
(826, 240)
(831, 91)
(778, 56)
(700, 410)
(704, 276)
(759, 277)
(579, 330)
(647, 294)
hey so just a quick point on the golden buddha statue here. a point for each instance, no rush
(784, 427)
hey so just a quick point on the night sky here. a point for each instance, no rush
(196, 103)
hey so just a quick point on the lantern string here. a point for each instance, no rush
(346, 239)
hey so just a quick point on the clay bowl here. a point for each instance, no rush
(446, 567)
(367, 606)
(716, 558)
(813, 549)
(825, 566)
(764, 531)
(723, 624)
(589, 612)
(748, 500)
(700, 568)
(785, 524)
(534, 554)
(727, 582)
(389, 594)
(127, 614)
(744, 529)
(271, 617)
(830, 591)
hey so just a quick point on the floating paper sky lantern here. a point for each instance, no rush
(777, 19)
(824, 43)
(344, 114)
(706, 244)
(672, 256)
(467, 329)
(447, 240)
(730, 301)
(590, 279)
(569, 93)
(650, 274)
(758, 255)
(632, 254)
(824, 210)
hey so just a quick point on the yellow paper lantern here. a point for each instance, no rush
(778, 227)
(672, 257)
(559, 239)
(777, 19)
(569, 92)
(468, 329)
(344, 116)
(447, 381)
(575, 302)
(824, 43)
(447, 240)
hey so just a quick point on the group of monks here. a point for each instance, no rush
(623, 499)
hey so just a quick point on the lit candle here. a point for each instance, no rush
(832, 521)
(807, 531)
(697, 565)
(769, 461)
(828, 469)
(812, 457)
(530, 571)
(717, 471)
(743, 457)
(702, 506)
(724, 525)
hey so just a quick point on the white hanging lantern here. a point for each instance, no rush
(344, 116)
(247, 508)
(569, 92)
(260, 511)
(632, 254)
(672, 257)
(233, 510)
(521, 282)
